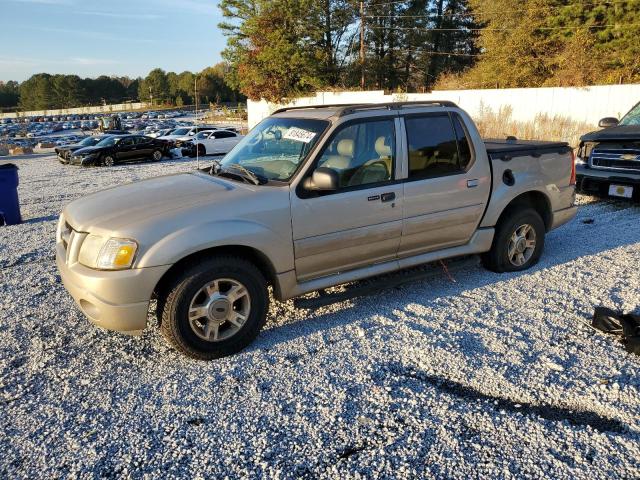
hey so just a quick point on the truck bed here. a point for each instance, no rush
(502, 149)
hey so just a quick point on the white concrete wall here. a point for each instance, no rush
(120, 107)
(587, 104)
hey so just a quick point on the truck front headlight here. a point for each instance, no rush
(112, 254)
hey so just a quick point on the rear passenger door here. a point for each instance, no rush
(448, 184)
(144, 147)
(126, 149)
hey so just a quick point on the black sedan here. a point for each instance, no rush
(64, 152)
(120, 149)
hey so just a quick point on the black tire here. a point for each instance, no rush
(156, 156)
(202, 151)
(497, 259)
(175, 325)
(108, 161)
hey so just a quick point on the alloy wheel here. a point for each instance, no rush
(522, 245)
(219, 310)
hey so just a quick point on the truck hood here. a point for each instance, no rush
(619, 133)
(113, 209)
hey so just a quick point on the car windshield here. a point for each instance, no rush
(108, 142)
(275, 147)
(180, 131)
(88, 142)
(633, 117)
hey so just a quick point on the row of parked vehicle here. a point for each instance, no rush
(109, 149)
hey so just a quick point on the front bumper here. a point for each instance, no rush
(115, 300)
(593, 180)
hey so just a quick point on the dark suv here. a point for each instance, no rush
(608, 160)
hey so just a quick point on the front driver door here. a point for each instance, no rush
(360, 223)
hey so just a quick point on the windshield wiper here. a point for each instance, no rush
(237, 170)
(246, 173)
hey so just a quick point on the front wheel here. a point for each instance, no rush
(518, 242)
(156, 156)
(215, 308)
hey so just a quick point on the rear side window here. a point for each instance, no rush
(464, 146)
(434, 149)
(223, 134)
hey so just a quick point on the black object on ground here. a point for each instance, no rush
(625, 325)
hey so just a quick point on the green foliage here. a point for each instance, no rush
(9, 94)
(43, 91)
(533, 43)
(284, 48)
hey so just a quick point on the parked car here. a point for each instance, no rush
(184, 134)
(116, 149)
(310, 198)
(64, 152)
(212, 143)
(609, 159)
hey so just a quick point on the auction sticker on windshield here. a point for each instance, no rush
(299, 135)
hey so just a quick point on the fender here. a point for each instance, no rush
(192, 239)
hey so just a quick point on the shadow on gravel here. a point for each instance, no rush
(548, 412)
(46, 218)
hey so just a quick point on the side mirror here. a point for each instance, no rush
(608, 122)
(322, 179)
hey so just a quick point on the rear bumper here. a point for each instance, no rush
(560, 217)
(115, 300)
(591, 180)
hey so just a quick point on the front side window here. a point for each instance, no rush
(362, 153)
(433, 146)
(126, 142)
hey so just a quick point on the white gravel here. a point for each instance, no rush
(493, 376)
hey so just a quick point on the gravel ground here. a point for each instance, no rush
(490, 376)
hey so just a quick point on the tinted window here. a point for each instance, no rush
(223, 134)
(362, 153)
(140, 140)
(464, 146)
(126, 142)
(433, 149)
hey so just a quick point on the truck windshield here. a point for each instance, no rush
(633, 117)
(275, 147)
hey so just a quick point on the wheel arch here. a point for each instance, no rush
(532, 199)
(255, 256)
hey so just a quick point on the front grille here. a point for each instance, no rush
(615, 158)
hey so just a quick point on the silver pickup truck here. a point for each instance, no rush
(312, 197)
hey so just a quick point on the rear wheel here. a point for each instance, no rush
(215, 308)
(518, 242)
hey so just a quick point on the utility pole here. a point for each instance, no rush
(195, 138)
(151, 96)
(362, 45)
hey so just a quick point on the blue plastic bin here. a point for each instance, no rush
(9, 204)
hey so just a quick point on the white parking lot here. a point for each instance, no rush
(487, 376)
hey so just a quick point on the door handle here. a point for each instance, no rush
(473, 183)
(388, 197)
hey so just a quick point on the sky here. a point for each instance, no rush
(107, 37)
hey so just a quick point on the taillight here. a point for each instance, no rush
(573, 168)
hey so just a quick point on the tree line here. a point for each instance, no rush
(43, 91)
(278, 49)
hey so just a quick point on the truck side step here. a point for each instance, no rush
(374, 285)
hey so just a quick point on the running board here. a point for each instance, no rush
(374, 285)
